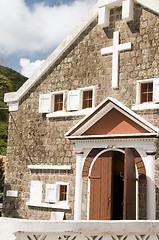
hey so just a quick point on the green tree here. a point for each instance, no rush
(16, 78)
(3, 137)
(5, 86)
(10, 81)
(1, 176)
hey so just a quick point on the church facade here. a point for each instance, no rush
(83, 130)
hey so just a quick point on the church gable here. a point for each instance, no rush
(111, 118)
(115, 122)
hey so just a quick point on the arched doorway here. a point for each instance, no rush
(112, 186)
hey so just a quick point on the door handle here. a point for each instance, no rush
(109, 200)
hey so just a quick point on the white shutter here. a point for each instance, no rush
(36, 191)
(45, 103)
(138, 92)
(50, 193)
(57, 192)
(73, 100)
(156, 90)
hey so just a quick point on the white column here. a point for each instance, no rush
(78, 186)
(151, 191)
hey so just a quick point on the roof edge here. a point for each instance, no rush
(66, 43)
(150, 4)
(137, 135)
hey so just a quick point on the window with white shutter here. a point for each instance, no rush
(79, 101)
(45, 103)
(36, 191)
(57, 193)
(52, 102)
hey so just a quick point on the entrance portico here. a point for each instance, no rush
(127, 140)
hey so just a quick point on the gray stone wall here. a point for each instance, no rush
(35, 139)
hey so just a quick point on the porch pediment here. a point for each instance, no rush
(112, 118)
(115, 122)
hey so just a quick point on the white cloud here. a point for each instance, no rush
(28, 68)
(40, 28)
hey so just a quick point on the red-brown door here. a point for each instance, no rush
(100, 188)
(113, 187)
(129, 201)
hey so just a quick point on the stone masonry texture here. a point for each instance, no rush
(35, 139)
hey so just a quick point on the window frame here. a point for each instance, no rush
(147, 92)
(58, 102)
(138, 95)
(58, 201)
(82, 90)
(87, 99)
(155, 95)
(62, 192)
(53, 94)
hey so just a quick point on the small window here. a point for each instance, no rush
(146, 92)
(87, 99)
(63, 193)
(58, 106)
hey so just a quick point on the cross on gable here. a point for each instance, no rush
(114, 50)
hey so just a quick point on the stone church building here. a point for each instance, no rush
(83, 130)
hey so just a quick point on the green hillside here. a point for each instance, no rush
(10, 81)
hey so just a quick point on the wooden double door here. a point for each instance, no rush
(113, 187)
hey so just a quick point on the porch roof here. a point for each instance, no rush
(112, 119)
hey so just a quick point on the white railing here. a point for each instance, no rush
(78, 230)
(81, 237)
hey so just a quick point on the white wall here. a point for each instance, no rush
(54, 229)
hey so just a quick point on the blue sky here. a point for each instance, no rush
(32, 29)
